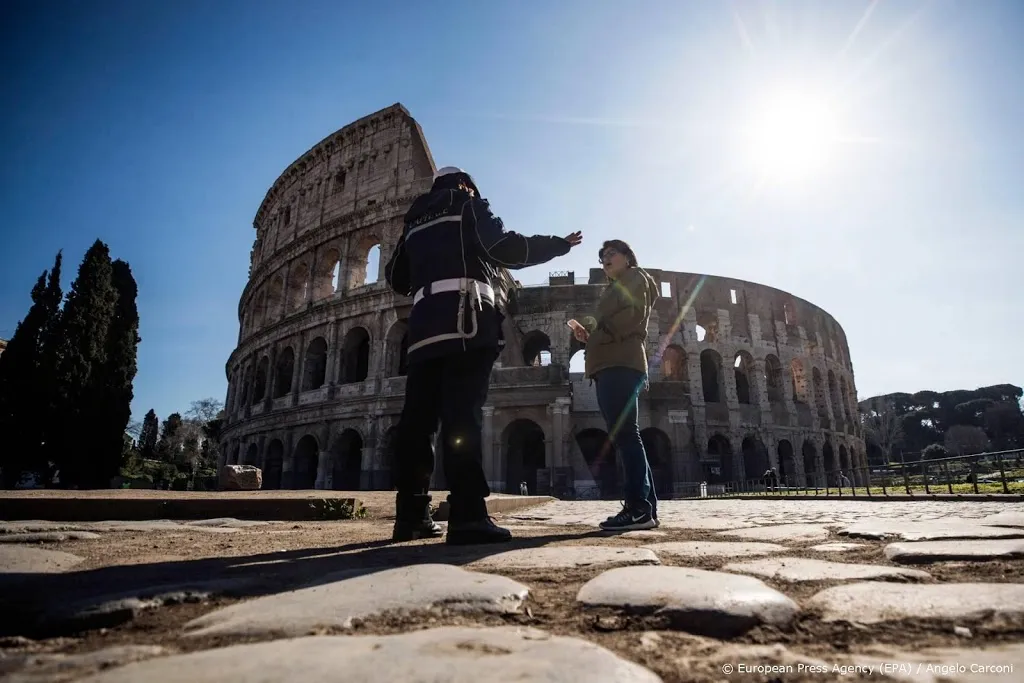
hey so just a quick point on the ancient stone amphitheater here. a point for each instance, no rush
(743, 375)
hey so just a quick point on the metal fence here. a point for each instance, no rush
(999, 472)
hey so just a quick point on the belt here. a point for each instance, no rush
(456, 284)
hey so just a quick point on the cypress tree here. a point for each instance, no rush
(148, 437)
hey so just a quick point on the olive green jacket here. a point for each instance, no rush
(618, 335)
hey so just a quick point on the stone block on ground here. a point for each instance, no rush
(781, 533)
(47, 667)
(697, 601)
(807, 569)
(20, 559)
(1011, 518)
(241, 478)
(565, 557)
(926, 530)
(694, 549)
(874, 602)
(938, 551)
(452, 654)
(339, 600)
(48, 537)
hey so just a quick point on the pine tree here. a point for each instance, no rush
(170, 438)
(148, 437)
(84, 331)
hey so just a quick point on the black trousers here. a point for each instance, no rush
(450, 390)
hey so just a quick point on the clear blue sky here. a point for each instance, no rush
(159, 126)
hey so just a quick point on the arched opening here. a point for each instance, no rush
(599, 454)
(674, 366)
(536, 349)
(773, 379)
(372, 265)
(819, 396)
(283, 373)
(273, 464)
(524, 454)
(252, 456)
(711, 376)
(336, 277)
(659, 454)
(832, 466)
(247, 386)
(837, 401)
(743, 368)
(844, 459)
(755, 458)
(315, 364)
(298, 283)
(718, 468)
(307, 458)
(578, 362)
(364, 262)
(811, 471)
(799, 381)
(275, 300)
(397, 344)
(708, 322)
(347, 461)
(259, 391)
(787, 463)
(328, 269)
(355, 355)
(844, 391)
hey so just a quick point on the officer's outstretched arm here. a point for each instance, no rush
(396, 272)
(510, 249)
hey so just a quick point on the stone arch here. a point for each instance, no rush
(787, 462)
(718, 468)
(347, 461)
(800, 387)
(773, 379)
(326, 282)
(525, 453)
(283, 373)
(355, 355)
(298, 284)
(536, 349)
(755, 457)
(578, 361)
(275, 300)
(819, 394)
(364, 262)
(658, 447)
(259, 391)
(599, 455)
(252, 455)
(810, 456)
(746, 386)
(674, 367)
(306, 460)
(273, 465)
(828, 455)
(707, 321)
(315, 364)
(396, 364)
(711, 376)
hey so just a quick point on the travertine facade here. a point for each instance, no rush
(743, 375)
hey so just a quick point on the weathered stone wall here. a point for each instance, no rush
(317, 380)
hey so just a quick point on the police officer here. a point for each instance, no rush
(447, 260)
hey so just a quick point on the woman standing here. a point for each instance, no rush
(616, 359)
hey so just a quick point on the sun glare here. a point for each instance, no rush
(792, 137)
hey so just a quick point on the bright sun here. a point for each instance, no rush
(792, 137)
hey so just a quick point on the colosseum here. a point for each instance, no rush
(743, 376)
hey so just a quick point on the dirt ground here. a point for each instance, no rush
(291, 553)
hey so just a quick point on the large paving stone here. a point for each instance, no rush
(695, 549)
(807, 569)
(926, 530)
(453, 655)
(226, 522)
(838, 547)
(781, 532)
(352, 596)
(938, 551)
(38, 525)
(996, 664)
(48, 537)
(50, 667)
(698, 523)
(1013, 518)
(698, 601)
(873, 602)
(565, 557)
(20, 559)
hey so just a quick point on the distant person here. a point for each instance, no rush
(523, 490)
(843, 479)
(616, 359)
(448, 259)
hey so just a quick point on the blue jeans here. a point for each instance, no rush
(617, 391)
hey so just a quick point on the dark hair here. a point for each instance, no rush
(622, 248)
(452, 181)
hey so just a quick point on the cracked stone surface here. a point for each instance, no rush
(874, 602)
(48, 537)
(21, 559)
(456, 655)
(566, 556)
(699, 601)
(938, 551)
(350, 596)
(807, 569)
(48, 667)
(781, 532)
(926, 530)
(837, 547)
(715, 548)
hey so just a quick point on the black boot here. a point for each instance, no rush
(412, 518)
(469, 524)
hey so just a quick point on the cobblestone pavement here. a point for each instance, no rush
(724, 590)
